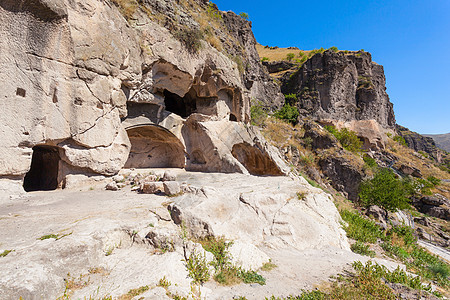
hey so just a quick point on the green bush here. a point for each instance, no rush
(384, 190)
(244, 15)
(348, 139)
(290, 56)
(360, 228)
(362, 249)
(265, 59)
(334, 49)
(290, 99)
(257, 114)
(197, 268)
(287, 113)
(213, 12)
(401, 140)
(190, 38)
(434, 181)
(369, 161)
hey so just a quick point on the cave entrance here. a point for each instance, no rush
(43, 173)
(254, 160)
(153, 146)
(182, 106)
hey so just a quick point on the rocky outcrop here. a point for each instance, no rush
(419, 142)
(88, 82)
(256, 79)
(341, 86)
(345, 174)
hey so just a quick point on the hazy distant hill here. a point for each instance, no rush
(441, 140)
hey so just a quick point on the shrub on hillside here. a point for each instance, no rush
(385, 190)
(348, 139)
(190, 38)
(290, 99)
(290, 56)
(401, 140)
(257, 114)
(287, 113)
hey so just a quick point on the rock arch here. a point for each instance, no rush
(153, 146)
(44, 170)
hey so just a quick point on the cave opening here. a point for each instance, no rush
(153, 146)
(182, 106)
(254, 160)
(43, 173)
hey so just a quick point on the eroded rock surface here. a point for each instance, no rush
(89, 83)
(111, 245)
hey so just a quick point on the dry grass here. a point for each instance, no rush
(127, 7)
(277, 54)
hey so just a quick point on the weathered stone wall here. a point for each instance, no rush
(341, 86)
(72, 70)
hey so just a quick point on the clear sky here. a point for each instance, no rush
(411, 39)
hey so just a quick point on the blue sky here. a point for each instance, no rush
(411, 39)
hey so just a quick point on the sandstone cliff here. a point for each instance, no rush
(86, 83)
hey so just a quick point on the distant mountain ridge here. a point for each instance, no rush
(441, 140)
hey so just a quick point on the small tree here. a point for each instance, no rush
(244, 15)
(290, 56)
(287, 113)
(384, 190)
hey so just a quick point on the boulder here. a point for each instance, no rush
(151, 187)
(346, 175)
(320, 138)
(112, 186)
(433, 201)
(171, 188)
(169, 176)
(266, 214)
(410, 170)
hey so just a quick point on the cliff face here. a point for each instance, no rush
(86, 83)
(341, 86)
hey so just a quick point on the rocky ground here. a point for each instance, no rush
(97, 243)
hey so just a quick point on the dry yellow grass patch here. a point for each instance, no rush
(278, 54)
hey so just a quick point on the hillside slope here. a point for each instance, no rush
(441, 140)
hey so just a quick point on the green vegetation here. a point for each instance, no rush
(53, 236)
(288, 113)
(365, 82)
(348, 139)
(385, 190)
(226, 273)
(334, 49)
(134, 292)
(268, 266)
(265, 59)
(369, 161)
(362, 249)
(164, 283)
(6, 252)
(257, 114)
(290, 99)
(361, 229)
(368, 282)
(213, 12)
(190, 38)
(197, 268)
(290, 56)
(244, 15)
(398, 242)
(434, 181)
(401, 140)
